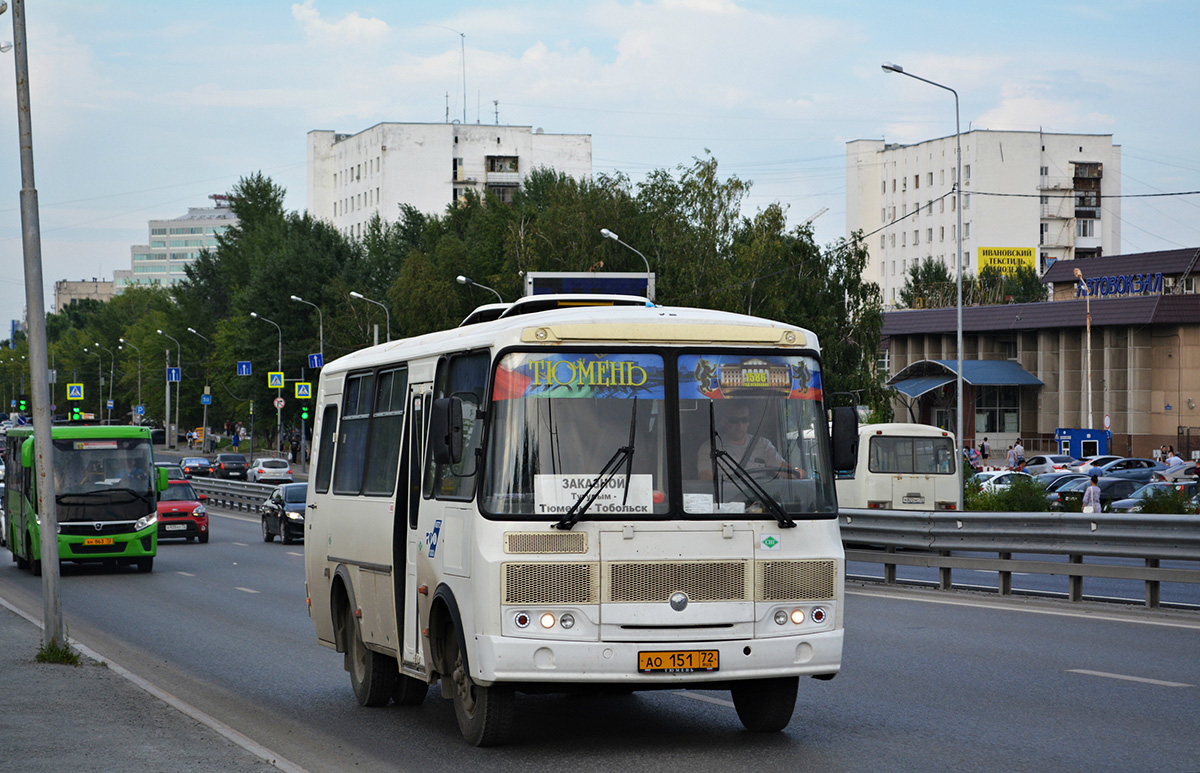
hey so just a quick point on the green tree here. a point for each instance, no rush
(928, 284)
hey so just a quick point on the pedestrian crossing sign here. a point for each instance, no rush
(74, 391)
(303, 390)
(275, 381)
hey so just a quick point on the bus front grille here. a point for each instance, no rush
(550, 583)
(795, 580)
(655, 581)
(545, 542)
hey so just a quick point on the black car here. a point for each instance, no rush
(196, 465)
(1070, 497)
(229, 466)
(283, 513)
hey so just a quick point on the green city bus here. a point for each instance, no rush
(106, 495)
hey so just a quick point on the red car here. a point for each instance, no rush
(181, 512)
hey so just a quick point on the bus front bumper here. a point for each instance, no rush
(510, 659)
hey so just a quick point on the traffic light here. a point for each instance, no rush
(304, 413)
(21, 402)
(76, 414)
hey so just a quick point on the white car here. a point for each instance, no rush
(998, 480)
(1036, 465)
(269, 469)
(1085, 465)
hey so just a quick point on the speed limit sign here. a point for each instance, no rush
(278, 402)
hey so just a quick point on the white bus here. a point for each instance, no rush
(902, 467)
(532, 502)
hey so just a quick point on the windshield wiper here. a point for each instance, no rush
(589, 494)
(723, 461)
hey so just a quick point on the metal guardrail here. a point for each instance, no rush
(901, 538)
(234, 495)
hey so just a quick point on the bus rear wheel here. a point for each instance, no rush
(765, 705)
(371, 675)
(35, 564)
(484, 714)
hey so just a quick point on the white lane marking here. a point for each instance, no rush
(1141, 679)
(294, 553)
(248, 590)
(704, 698)
(186, 574)
(241, 544)
(212, 723)
(1098, 616)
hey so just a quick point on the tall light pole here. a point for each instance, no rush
(469, 282)
(607, 234)
(125, 343)
(320, 321)
(112, 365)
(172, 440)
(362, 297)
(204, 443)
(279, 392)
(1088, 372)
(958, 267)
(99, 378)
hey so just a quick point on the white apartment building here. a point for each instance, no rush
(428, 166)
(67, 292)
(1053, 196)
(174, 244)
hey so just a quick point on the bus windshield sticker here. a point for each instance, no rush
(723, 376)
(572, 375)
(554, 494)
(91, 445)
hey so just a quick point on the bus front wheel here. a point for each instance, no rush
(145, 564)
(35, 564)
(371, 675)
(765, 705)
(484, 714)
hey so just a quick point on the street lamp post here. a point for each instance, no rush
(172, 440)
(469, 282)
(320, 322)
(607, 234)
(125, 343)
(279, 392)
(99, 378)
(361, 297)
(1088, 368)
(112, 365)
(958, 261)
(204, 443)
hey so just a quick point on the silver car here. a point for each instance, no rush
(1036, 465)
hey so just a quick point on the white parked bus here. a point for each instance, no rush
(532, 502)
(902, 467)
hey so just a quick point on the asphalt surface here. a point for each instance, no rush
(92, 717)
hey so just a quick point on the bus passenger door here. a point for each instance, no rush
(412, 654)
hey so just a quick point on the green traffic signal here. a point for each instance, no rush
(304, 412)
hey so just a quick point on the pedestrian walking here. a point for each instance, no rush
(1091, 497)
(1019, 450)
(1012, 458)
(985, 450)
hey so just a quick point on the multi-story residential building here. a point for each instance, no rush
(1041, 197)
(351, 177)
(67, 292)
(174, 244)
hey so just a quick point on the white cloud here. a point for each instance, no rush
(350, 29)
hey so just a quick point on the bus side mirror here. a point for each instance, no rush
(446, 430)
(845, 439)
(27, 453)
(161, 482)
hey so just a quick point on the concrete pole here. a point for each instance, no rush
(31, 237)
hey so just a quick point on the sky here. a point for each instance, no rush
(143, 108)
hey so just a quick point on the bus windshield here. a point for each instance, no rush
(103, 479)
(567, 426)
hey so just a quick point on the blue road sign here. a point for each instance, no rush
(110, 405)
(74, 391)
(206, 399)
(243, 367)
(140, 409)
(275, 380)
(316, 361)
(174, 374)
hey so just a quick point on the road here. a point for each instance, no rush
(931, 681)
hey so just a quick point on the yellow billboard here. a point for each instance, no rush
(1007, 259)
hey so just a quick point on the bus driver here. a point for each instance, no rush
(752, 452)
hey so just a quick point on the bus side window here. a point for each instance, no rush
(329, 422)
(466, 378)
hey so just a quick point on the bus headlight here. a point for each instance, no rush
(567, 620)
(797, 616)
(781, 617)
(547, 620)
(145, 522)
(818, 615)
(521, 620)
